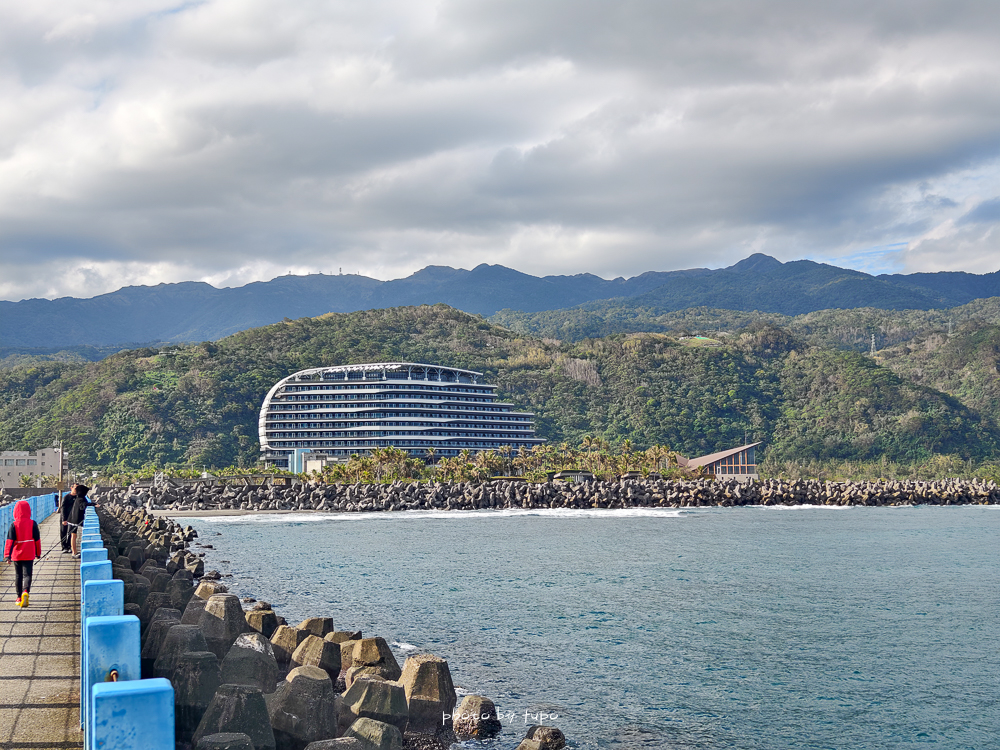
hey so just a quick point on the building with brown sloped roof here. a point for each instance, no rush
(735, 463)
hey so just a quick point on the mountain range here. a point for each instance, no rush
(197, 311)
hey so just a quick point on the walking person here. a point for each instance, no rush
(65, 507)
(24, 546)
(76, 516)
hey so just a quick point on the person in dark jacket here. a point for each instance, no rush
(76, 516)
(65, 506)
(24, 545)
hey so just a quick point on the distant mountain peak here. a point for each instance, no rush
(756, 263)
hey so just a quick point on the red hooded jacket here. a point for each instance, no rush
(23, 540)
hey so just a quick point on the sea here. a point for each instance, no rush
(789, 627)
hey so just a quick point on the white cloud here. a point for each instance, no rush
(232, 140)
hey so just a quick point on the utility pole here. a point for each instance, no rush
(873, 345)
(60, 485)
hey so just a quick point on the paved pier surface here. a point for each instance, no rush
(40, 652)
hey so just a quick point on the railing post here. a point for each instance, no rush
(111, 653)
(95, 571)
(93, 554)
(90, 571)
(97, 599)
(136, 715)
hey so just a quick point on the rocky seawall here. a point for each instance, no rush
(245, 678)
(514, 494)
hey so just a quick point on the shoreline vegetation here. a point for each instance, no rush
(594, 455)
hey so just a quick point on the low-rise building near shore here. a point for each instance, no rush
(41, 463)
(420, 408)
(735, 463)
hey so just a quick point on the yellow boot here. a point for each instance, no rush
(24, 600)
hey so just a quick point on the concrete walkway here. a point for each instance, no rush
(40, 652)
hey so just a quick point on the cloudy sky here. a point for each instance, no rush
(147, 141)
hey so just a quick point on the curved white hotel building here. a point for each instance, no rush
(354, 408)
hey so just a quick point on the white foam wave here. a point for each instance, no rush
(404, 646)
(803, 506)
(415, 515)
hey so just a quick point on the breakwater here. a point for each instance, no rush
(249, 672)
(514, 494)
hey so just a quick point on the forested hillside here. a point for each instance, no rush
(848, 329)
(198, 405)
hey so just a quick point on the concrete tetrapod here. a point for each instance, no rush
(251, 661)
(164, 619)
(196, 678)
(139, 591)
(374, 698)
(303, 709)
(223, 621)
(339, 636)
(180, 640)
(430, 694)
(207, 589)
(149, 607)
(376, 735)
(372, 656)
(180, 592)
(319, 653)
(158, 582)
(318, 626)
(240, 709)
(346, 656)
(284, 641)
(193, 610)
(264, 621)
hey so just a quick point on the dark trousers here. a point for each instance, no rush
(22, 575)
(64, 536)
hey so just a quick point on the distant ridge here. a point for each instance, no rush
(196, 311)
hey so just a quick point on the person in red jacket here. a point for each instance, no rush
(24, 545)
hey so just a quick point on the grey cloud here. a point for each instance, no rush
(222, 139)
(985, 212)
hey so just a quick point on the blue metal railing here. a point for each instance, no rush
(117, 708)
(42, 506)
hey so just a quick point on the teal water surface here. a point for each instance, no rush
(720, 628)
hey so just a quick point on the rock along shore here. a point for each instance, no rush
(247, 680)
(515, 494)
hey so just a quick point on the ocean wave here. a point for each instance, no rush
(803, 506)
(414, 515)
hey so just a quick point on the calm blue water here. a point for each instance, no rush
(722, 628)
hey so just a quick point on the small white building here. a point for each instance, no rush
(44, 462)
